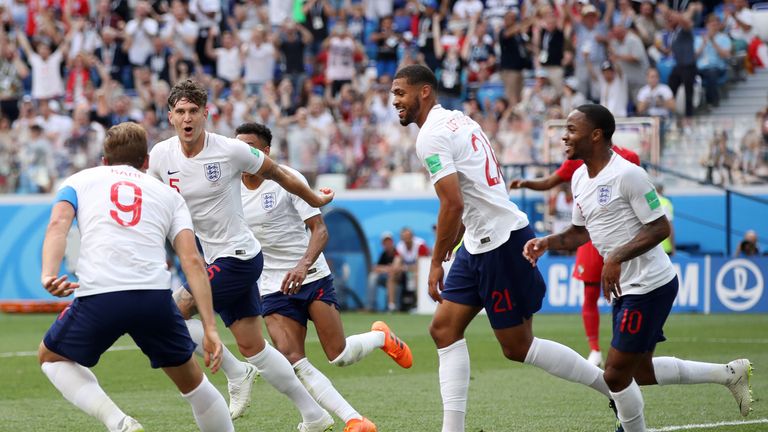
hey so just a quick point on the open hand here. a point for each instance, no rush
(59, 286)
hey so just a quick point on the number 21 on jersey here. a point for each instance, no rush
(133, 208)
(492, 168)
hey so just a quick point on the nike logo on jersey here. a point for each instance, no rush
(172, 172)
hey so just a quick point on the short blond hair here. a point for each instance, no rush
(126, 144)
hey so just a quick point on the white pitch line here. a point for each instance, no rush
(709, 425)
(718, 340)
(34, 353)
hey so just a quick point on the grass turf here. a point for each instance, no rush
(504, 396)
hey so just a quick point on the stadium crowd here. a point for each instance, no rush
(318, 73)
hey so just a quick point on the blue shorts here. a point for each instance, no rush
(296, 306)
(235, 288)
(638, 320)
(91, 324)
(501, 281)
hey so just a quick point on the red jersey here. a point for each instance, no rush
(569, 167)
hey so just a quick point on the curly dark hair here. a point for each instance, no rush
(257, 129)
(189, 90)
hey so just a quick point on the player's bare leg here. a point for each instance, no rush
(289, 337)
(620, 369)
(393, 280)
(735, 375)
(209, 408)
(519, 344)
(277, 371)
(447, 330)
(81, 388)
(240, 375)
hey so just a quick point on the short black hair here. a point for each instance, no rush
(417, 74)
(257, 129)
(600, 118)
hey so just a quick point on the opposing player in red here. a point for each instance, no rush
(589, 263)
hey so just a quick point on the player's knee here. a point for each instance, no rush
(515, 353)
(442, 334)
(44, 355)
(249, 348)
(333, 351)
(294, 356)
(616, 379)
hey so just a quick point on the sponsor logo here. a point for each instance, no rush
(739, 285)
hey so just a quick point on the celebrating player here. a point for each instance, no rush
(124, 217)
(489, 270)
(589, 263)
(206, 168)
(617, 207)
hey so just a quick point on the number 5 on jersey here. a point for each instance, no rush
(492, 168)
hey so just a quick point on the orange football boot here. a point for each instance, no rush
(394, 346)
(360, 425)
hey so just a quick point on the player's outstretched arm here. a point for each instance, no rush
(318, 238)
(197, 277)
(54, 244)
(546, 183)
(272, 171)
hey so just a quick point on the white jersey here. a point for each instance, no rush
(210, 184)
(450, 142)
(124, 217)
(276, 218)
(613, 207)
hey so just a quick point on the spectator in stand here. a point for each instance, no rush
(648, 23)
(495, 10)
(549, 45)
(180, 32)
(537, 99)
(229, 56)
(426, 39)
(748, 245)
(713, 49)
(260, 58)
(318, 14)
(629, 53)
(387, 42)
(46, 66)
(159, 62)
(292, 43)
(481, 60)
(719, 159)
(342, 51)
(571, 97)
(112, 54)
(301, 144)
(409, 249)
(739, 22)
(451, 74)
(106, 17)
(624, 15)
(655, 99)
(279, 11)
(56, 126)
(683, 52)
(590, 36)
(12, 72)
(514, 55)
(37, 171)
(614, 93)
(377, 9)
(383, 273)
(139, 33)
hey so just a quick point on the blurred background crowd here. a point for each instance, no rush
(318, 73)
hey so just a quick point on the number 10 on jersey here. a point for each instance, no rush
(492, 168)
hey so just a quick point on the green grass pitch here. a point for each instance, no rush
(504, 396)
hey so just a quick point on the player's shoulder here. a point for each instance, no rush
(627, 154)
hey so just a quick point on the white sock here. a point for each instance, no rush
(233, 368)
(454, 384)
(671, 370)
(209, 408)
(277, 371)
(320, 387)
(359, 346)
(629, 405)
(565, 363)
(80, 387)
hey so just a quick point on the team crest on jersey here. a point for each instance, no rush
(212, 171)
(268, 201)
(603, 194)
